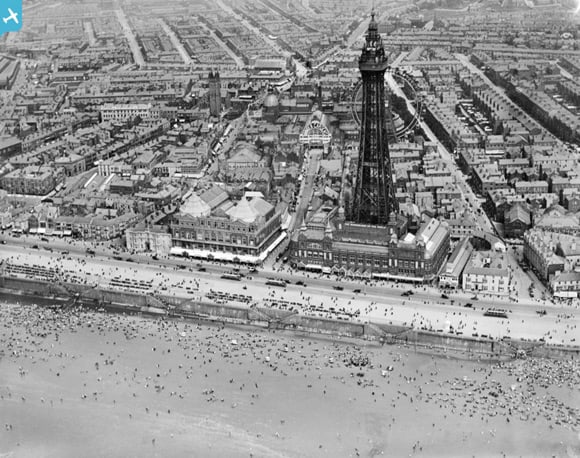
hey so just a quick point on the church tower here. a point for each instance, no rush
(215, 96)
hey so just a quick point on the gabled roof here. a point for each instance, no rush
(261, 206)
(245, 152)
(214, 197)
(518, 212)
(566, 276)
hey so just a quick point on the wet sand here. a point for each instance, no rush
(81, 383)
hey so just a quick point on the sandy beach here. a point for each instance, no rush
(80, 383)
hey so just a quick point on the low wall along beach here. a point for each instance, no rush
(422, 341)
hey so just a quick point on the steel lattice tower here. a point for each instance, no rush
(374, 194)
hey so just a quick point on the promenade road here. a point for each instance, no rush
(378, 301)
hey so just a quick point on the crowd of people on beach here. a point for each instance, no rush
(530, 390)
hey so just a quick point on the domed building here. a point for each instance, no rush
(195, 207)
(212, 226)
(251, 210)
(271, 100)
(271, 107)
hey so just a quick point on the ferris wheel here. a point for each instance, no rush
(401, 127)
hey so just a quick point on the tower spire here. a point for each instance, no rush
(374, 193)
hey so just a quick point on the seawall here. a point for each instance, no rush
(419, 340)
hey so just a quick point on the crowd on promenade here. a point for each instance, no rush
(183, 282)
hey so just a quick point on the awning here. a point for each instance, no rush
(271, 248)
(566, 294)
(358, 273)
(178, 251)
(67, 232)
(326, 270)
(32, 230)
(313, 267)
(380, 275)
(229, 257)
(217, 255)
(389, 276)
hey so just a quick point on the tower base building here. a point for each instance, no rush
(371, 238)
(330, 244)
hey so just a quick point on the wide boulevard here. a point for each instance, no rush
(377, 301)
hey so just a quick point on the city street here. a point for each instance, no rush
(311, 162)
(301, 70)
(238, 60)
(378, 301)
(135, 49)
(175, 41)
(469, 196)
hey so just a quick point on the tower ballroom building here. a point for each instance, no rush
(366, 236)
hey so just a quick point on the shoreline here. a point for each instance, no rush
(421, 341)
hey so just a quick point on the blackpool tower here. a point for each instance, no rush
(373, 197)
